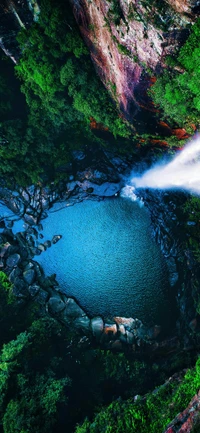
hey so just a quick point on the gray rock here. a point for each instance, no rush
(56, 238)
(30, 265)
(33, 290)
(30, 219)
(47, 244)
(35, 251)
(14, 274)
(42, 297)
(45, 203)
(82, 323)
(41, 247)
(20, 289)
(13, 260)
(129, 337)
(29, 276)
(73, 310)
(97, 326)
(107, 189)
(56, 305)
(5, 249)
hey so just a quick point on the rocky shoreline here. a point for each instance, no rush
(29, 283)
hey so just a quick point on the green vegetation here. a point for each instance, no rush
(62, 93)
(49, 383)
(147, 415)
(178, 93)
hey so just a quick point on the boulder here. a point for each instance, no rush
(97, 326)
(42, 297)
(33, 290)
(56, 238)
(82, 323)
(128, 322)
(47, 244)
(110, 329)
(41, 247)
(30, 219)
(13, 260)
(73, 310)
(14, 274)
(107, 189)
(129, 337)
(29, 276)
(56, 305)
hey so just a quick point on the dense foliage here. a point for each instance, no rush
(146, 415)
(62, 94)
(49, 382)
(178, 92)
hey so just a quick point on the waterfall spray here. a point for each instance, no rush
(183, 172)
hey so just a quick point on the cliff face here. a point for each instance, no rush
(129, 41)
(15, 14)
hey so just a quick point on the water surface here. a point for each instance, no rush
(108, 260)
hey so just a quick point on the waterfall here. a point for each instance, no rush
(183, 172)
(34, 8)
(17, 16)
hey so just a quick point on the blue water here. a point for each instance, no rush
(108, 260)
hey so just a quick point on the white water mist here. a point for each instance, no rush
(183, 172)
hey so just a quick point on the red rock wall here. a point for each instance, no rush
(137, 28)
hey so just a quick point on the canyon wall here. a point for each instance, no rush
(129, 42)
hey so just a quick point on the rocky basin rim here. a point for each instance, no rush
(26, 275)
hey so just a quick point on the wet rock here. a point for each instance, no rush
(5, 249)
(72, 309)
(14, 274)
(20, 289)
(13, 260)
(35, 251)
(82, 323)
(42, 297)
(41, 247)
(25, 196)
(33, 290)
(110, 329)
(130, 337)
(97, 326)
(56, 238)
(128, 322)
(45, 203)
(47, 244)
(29, 276)
(56, 305)
(107, 189)
(30, 219)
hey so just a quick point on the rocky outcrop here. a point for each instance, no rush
(129, 40)
(188, 420)
(29, 284)
(168, 228)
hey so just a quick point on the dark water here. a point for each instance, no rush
(108, 260)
